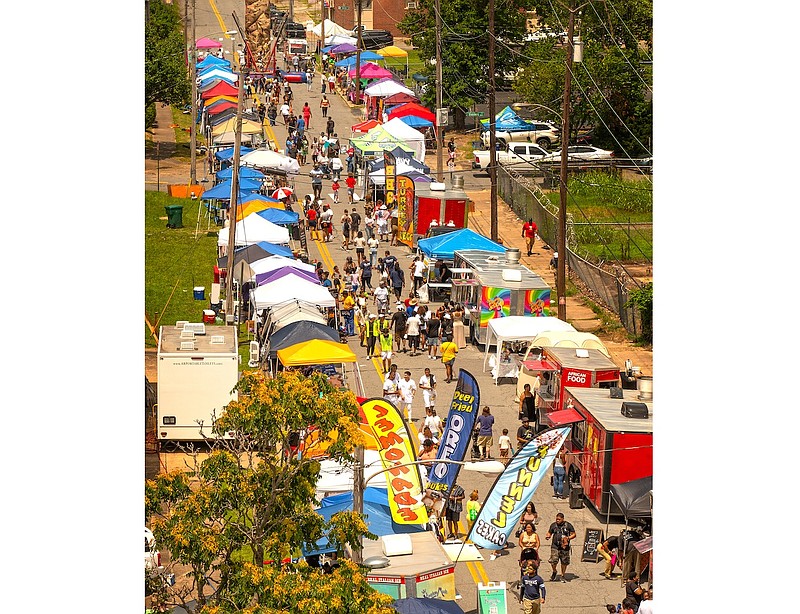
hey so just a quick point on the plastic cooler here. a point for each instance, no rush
(199, 293)
(209, 316)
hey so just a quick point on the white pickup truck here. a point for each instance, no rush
(515, 155)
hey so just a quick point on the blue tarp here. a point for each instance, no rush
(245, 172)
(279, 216)
(445, 245)
(376, 509)
(227, 153)
(508, 120)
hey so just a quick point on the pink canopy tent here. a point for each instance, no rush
(207, 43)
(371, 71)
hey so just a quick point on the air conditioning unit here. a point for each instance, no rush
(512, 275)
(631, 409)
(217, 339)
(187, 334)
(411, 5)
(181, 323)
(197, 327)
(254, 350)
(187, 346)
(394, 545)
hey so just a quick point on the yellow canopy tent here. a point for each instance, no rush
(248, 127)
(394, 52)
(211, 101)
(316, 352)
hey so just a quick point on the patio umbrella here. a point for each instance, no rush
(282, 193)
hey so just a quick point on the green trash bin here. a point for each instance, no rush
(174, 216)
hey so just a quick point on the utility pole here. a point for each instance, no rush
(492, 130)
(237, 150)
(193, 124)
(439, 139)
(358, 493)
(322, 35)
(291, 10)
(358, 56)
(561, 270)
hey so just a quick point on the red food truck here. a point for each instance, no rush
(565, 366)
(611, 441)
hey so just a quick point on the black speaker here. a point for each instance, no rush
(616, 392)
(631, 409)
(576, 497)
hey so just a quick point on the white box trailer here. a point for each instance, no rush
(198, 367)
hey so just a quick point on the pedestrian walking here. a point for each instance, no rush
(525, 433)
(529, 234)
(453, 514)
(309, 79)
(533, 591)
(329, 127)
(449, 351)
(473, 509)
(307, 115)
(646, 604)
(562, 533)
(399, 321)
(559, 473)
(371, 335)
(528, 543)
(504, 443)
(527, 409)
(324, 103)
(316, 182)
(413, 325)
(385, 339)
(408, 389)
(427, 383)
(350, 182)
(484, 426)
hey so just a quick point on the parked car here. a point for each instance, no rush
(581, 152)
(544, 134)
(514, 155)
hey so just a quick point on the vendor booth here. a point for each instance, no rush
(504, 333)
(442, 205)
(253, 229)
(336, 360)
(294, 333)
(496, 286)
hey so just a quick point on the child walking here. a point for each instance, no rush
(505, 446)
(335, 188)
(473, 509)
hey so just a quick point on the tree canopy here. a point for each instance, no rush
(250, 501)
(166, 78)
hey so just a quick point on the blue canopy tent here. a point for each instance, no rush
(365, 56)
(279, 216)
(245, 172)
(222, 191)
(507, 120)
(276, 250)
(444, 246)
(416, 122)
(212, 60)
(376, 509)
(227, 153)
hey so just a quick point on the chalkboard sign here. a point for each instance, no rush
(591, 540)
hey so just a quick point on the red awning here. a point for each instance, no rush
(539, 365)
(564, 416)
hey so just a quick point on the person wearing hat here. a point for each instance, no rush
(533, 590)
(427, 453)
(399, 321)
(385, 339)
(371, 334)
(525, 433)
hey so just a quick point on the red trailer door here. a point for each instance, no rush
(455, 211)
(428, 210)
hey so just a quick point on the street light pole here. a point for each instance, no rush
(492, 132)
(193, 124)
(359, 42)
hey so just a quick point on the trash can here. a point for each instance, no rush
(575, 496)
(174, 216)
(200, 293)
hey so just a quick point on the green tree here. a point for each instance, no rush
(250, 500)
(642, 299)
(465, 50)
(166, 77)
(612, 87)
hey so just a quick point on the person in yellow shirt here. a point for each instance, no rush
(386, 339)
(449, 351)
(348, 304)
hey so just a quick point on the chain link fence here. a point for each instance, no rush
(523, 193)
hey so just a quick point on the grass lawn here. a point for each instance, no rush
(175, 262)
(621, 216)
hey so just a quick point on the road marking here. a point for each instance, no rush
(479, 569)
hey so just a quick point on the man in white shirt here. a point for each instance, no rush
(285, 113)
(326, 221)
(418, 273)
(407, 388)
(646, 605)
(412, 330)
(382, 296)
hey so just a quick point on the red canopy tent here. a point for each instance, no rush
(399, 98)
(412, 108)
(219, 107)
(365, 126)
(220, 89)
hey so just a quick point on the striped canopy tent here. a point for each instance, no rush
(215, 72)
(219, 107)
(212, 60)
(207, 43)
(394, 52)
(248, 127)
(207, 102)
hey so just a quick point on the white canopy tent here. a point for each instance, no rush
(270, 160)
(411, 136)
(387, 88)
(289, 287)
(254, 229)
(567, 339)
(518, 328)
(292, 310)
(331, 28)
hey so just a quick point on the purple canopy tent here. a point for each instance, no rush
(265, 278)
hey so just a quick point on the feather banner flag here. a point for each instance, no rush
(514, 488)
(396, 449)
